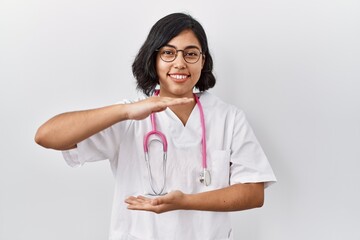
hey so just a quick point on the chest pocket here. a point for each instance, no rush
(219, 165)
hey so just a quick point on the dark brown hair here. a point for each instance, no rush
(168, 27)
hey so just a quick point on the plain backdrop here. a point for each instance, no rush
(292, 66)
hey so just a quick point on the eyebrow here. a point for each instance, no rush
(190, 46)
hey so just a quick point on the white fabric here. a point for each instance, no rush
(233, 156)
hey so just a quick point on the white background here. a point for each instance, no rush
(293, 66)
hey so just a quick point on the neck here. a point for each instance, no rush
(183, 111)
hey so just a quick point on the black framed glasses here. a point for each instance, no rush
(190, 54)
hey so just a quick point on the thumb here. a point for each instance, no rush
(158, 201)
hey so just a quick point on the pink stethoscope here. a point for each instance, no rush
(205, 176)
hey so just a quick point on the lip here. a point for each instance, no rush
(179, 77)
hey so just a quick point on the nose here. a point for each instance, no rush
(179, 61)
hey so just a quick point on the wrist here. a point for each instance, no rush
(186, 201)
(123, 110)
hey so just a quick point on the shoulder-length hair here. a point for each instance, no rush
(168, 27)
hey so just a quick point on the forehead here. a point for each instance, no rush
(185, 39)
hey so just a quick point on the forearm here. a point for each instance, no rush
(233, 198)
(65, 130)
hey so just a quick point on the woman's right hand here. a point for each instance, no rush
(142, 109)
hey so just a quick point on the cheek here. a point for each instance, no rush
(197, 69)
(161, 68)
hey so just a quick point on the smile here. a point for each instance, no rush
(179, 76)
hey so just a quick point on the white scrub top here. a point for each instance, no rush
(233, 156)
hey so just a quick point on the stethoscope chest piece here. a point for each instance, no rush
(205, 177)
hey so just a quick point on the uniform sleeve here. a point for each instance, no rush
(249, 163)
(100, 146)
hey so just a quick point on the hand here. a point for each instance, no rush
(142, 109)
(171, 201)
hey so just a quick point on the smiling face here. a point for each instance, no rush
(178, 78)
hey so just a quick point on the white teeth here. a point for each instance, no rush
(179, 76)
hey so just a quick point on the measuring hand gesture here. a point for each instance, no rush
(142, 109)
(168, 202)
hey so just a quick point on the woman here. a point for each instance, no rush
(205, 161)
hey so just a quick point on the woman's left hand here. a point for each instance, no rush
(171, 201)
(237, 197)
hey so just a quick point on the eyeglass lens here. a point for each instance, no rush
(190, 55)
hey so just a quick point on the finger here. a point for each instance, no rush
(139, 201)
(130, 198)
(133, 200)
(173, 100)
(143, 199)
(177, 101)
(155, 202)
(161, 103)
(140, 206)
(159, 200)
(161, 106)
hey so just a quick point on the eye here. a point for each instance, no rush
(193, 53)
(168, 52)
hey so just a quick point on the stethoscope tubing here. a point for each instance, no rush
(205, 176)
(203, 138)
(154, 132)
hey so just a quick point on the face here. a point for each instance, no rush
(178, 78)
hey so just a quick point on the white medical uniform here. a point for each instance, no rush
(233, 156)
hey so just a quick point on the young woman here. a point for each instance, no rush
(188, 154)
